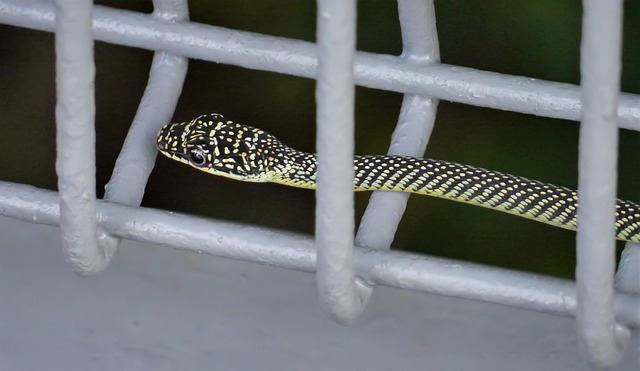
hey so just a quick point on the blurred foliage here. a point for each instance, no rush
(538, 39)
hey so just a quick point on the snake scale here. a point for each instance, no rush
(219, 146)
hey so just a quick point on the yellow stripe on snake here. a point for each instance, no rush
(219, 146)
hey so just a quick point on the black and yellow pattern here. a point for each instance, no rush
(220, 146)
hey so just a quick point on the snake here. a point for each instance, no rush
(223, 147)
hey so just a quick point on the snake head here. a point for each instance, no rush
(219, 146)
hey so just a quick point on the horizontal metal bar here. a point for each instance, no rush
(296, 252)
(299, 58)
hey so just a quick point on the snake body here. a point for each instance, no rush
(219, 146)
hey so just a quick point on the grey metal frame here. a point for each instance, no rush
(601, 52)
(92, 229)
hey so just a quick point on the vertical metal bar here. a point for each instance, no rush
(138, 154)
(417, 117)
(75, 114)
(628, 274)
(335, 147)
(600, 74)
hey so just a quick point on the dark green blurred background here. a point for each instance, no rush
(538, 39)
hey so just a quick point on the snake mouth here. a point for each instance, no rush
(164, 147)
(170, 140)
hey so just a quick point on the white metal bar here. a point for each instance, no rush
(628, 273)
(297, 252)
(293, 57)
(600, 74)
(336, 40)
(138, 154)
(417, 117)
(75, 139)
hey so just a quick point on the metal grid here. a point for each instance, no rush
(605, 316)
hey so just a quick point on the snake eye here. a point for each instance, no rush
(197, 157)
